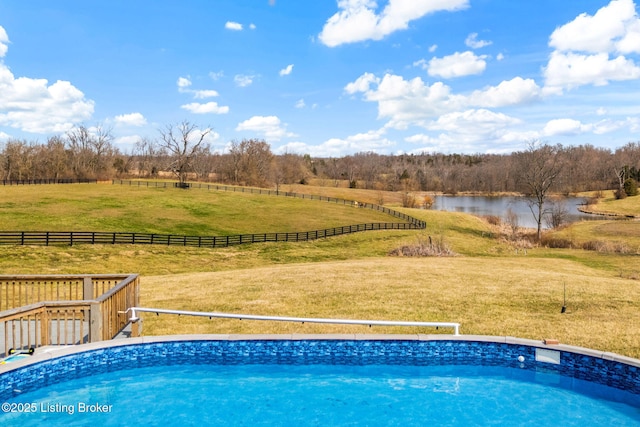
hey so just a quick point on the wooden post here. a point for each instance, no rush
(135, 328)
(45, 334)
(95, 322)
(87, 288)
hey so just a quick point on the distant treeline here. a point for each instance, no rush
(85, 153)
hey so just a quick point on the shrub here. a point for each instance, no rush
(427, 202)
(424, 248)
(556, 243)
(607, 247)
(493, 219)
(620, 194)
(631, 187)
(409, 200)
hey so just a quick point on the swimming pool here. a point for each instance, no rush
(320, 380)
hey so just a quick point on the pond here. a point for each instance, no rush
(500, 206)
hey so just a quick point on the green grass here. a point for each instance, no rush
(629, 206)
(156, 210)
(488, 287)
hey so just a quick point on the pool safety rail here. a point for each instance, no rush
(135, 310)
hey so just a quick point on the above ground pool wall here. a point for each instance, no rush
(53, 365)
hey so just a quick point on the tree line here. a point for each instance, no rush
(181, 151)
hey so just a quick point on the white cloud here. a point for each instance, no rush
(509, 92)
(361, 84)
(4, 41)
(611, 25)
(565, 127)
(242, 80)
(473, 42)
(457, 65)
(127, 141)
(357, 20)
(590, 49)
(207, 108)
(183, 83)
(216, 75)
(34, 105)
(336, 147)
(455, 120)
(500, 57)
(269, 126)
(406, 102)
(570, 70)
(202, 94)
(433, 48)
(300, 103)
(234, 26)
(471, 131)
(132, 119)
(472, 121)
(286, 70)
(252, 26)
(576, 127)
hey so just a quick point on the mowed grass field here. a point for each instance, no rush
(489, 287)
(106, 207)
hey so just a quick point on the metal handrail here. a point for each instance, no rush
(134, 318)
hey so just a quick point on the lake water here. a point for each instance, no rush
(499, 206)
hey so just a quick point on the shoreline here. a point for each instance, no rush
(583, 209)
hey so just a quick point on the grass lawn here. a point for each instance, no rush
(500, 296)
(489, 287)
(105, 207)
(624, 207)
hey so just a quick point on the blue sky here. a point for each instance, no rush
(326, 77)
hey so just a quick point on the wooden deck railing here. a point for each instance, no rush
(78, 317)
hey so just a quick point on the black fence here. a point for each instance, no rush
(70, 238)
(164, 184)
(47, 181)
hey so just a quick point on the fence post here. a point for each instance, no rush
(87, 288)
(45, 337)
(95, 323)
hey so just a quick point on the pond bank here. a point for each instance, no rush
(585, 209)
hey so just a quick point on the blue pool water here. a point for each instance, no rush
(323, 395)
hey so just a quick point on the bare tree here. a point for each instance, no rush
(55, 158)
(511, 218)
(91, 151)
(182, 142)
(537, 169)
(558, 214)
(148, 156)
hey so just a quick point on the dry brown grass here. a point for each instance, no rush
(504, 296)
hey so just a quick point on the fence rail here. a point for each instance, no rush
(90, 309)
(70, 238)
(47, 181)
